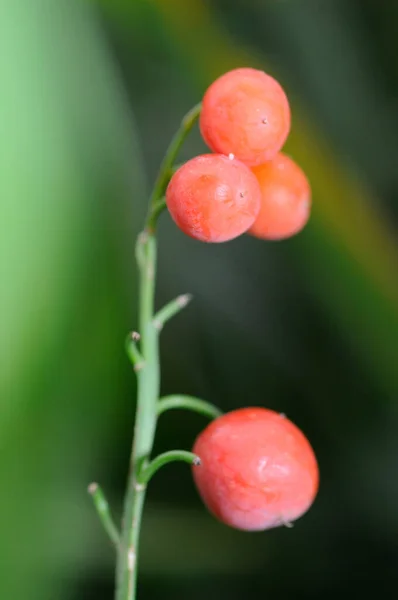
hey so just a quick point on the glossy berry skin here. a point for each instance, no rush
(285, 199)
(245, 112)
(258, 470)
(213, 198)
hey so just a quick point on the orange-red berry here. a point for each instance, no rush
(285, 199)
(257, 471)
(245, 112)
(213, 198)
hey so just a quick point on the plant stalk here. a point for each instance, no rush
(148, 374)
(145, 422)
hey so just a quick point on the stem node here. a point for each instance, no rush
(131, 559)
(139, 487)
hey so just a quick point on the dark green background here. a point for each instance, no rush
(90, 94)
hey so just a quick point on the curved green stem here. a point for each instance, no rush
(166, 167)
(165, 458)
(102, 507)
(157, 209)
(188, 403)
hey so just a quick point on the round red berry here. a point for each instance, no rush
(245, 112)
(257, 471)
(285, 199)
(213, 198)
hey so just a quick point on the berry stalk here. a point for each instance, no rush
(188, 403)
(156, 204)
(146, 364)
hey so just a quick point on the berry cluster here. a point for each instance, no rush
(248, 184)
(253, 468)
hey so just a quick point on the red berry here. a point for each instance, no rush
(245, 112)
(286, 199)
(257, 471)
(213, 198)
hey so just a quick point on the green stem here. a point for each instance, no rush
(145, 423)
(132, 350)
(102, 507)
(157, 209)
(189, 403)
(165, 458)
(171, 309)
(148, 375)
(167, 165)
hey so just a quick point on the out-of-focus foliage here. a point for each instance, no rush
(308, 326)
(68, 171)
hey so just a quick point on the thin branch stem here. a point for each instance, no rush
(167, 165)
(133, 353)
(102, 507)
(188, 403)
(171, 309)
(158, 207)
(163, 459)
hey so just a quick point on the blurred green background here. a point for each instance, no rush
(91, 93)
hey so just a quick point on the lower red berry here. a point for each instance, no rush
(285, 199)
(257, 471)
(213, 198)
